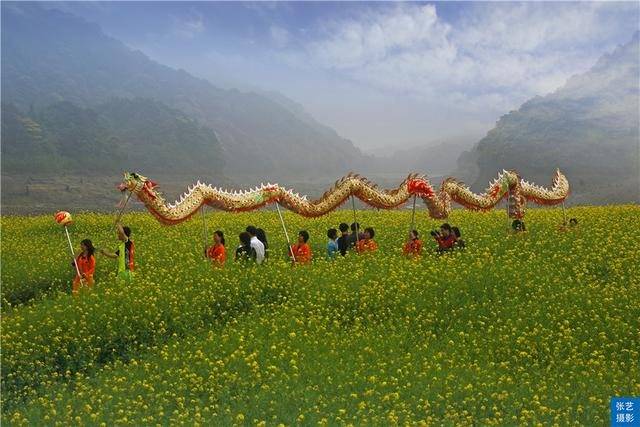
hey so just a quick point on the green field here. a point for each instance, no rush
(542, 327)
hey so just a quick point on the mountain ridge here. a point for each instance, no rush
(589, 128)
(43, 64)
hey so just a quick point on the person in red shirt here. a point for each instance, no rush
(446, 239)
(413, 247)
(367, 244)
(86, 265)
(301, 250)
(217, 253)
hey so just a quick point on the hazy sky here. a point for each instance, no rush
(381, 74)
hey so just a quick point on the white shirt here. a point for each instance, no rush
(259, 248)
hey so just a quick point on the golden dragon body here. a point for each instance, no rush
(438, 202)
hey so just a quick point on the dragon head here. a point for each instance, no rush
(135, 183)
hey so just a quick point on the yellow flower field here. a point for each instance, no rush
(538, 328)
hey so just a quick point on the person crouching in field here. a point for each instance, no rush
(301, 251)
(86, 263)
(245, 252)
(445, 238)
(217, 253)
(413, 247)
(367, 244)
(332, 244)
(125, 254)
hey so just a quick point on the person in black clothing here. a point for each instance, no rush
(518, 226)
(343, 240)
(245, 252)
(355, 235)
(262, 236)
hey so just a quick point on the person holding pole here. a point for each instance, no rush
(355, 235)
(124, 254)
(413, 247)
(86, 266)
(217, 253)
(343, 240)
(301, 252)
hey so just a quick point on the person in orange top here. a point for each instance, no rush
(367, 244)
(301, 250)
(413, 247)
(86, 265)
(217, 253)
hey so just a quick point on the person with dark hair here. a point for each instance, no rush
(262, 236)
(459, 242)
(445, 238)
(413, 247)
(86, 263)
(332, 245)
(245, 252)
(217, 253)
(367, 244)
(518, 226)
(343, 240)
(573, 222)
(301, 250)
(125, 254)
(355, 235)
(256, 244)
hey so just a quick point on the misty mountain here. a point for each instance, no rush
(436, 159)
(50, 56)
(121, 134)
(589, 128)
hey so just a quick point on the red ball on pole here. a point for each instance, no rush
(63, 218)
